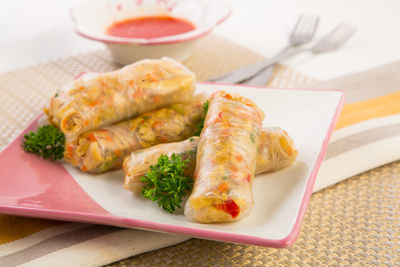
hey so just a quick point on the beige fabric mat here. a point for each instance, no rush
(354, 223)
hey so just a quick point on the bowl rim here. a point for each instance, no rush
(177, 38)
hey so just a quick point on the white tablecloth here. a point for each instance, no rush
(41, 30)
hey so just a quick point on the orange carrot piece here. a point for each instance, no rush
(239, 158)
(157, 123)
(91, 137)
(223, 187)
(157, 99)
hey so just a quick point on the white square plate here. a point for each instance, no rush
(45, 189)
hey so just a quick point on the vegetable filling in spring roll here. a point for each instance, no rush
(226, 160)
(275, 151)
(99, 150)
(138, 163)
(119, 95)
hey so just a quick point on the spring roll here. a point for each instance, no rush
(226, 160)
(138, 163)
(275, 151)
(100, 150)
(111, 97)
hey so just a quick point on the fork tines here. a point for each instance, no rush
(333, 40)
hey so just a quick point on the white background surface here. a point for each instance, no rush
(41, 30)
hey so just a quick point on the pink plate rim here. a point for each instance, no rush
(110, 219)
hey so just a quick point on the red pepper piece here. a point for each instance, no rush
(248, 178)
(230, 207)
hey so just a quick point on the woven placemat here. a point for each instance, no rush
(354, 223)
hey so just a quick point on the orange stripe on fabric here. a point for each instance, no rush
(14, 228)
(382, 106)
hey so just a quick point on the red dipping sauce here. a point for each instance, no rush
(149, 27)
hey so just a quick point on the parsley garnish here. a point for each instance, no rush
(205, 107)
(200, 126)
(253, 138)
(48, 142)
(166, 182)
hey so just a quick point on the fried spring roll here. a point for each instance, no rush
(111, 97)
(275, 151)
(100, 150)
(226, 160)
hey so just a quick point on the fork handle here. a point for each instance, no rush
(244, 73)
(261, 78)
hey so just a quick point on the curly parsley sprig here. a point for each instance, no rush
(166, 182)
(48, 142)
(199, 128)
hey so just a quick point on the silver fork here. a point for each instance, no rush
(332, 41)
(302, 33)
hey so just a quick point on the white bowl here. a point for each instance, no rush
(92, 17)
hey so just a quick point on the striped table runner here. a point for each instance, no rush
(367, 134)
